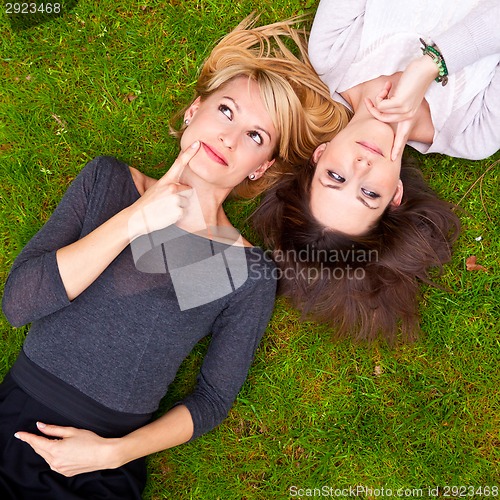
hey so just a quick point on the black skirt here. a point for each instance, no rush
(25, 475)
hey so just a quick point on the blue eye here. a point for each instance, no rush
(370, 194)
(256, 137)
(336, 177)
(226, 111)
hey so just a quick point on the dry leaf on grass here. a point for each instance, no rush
(472, 265)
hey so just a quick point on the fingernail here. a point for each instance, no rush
(40, 425)
(195, 144)
(16, 435)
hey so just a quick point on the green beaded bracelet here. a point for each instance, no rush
(436, 56)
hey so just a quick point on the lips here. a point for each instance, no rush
(214, 155)
(371, 147)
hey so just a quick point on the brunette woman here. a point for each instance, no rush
(356, 206)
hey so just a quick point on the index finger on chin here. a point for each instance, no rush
(174, 173)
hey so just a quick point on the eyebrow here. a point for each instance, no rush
(359, 198)
(256, 127)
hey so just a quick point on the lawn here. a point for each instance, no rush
(104, 78)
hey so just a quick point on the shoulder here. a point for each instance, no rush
(108, 170)
(259, 256)
(106, 165)
(104, 168)
(107, 182)
(262, 271)
(141, 181)
(252, 272)
(253, 289)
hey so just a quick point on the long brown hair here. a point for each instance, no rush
(364, 286)
(298, 102)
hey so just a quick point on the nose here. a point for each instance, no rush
(228, 139)
(362, 162)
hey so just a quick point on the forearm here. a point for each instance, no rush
(333, 17)
(334, 37)
(473, 38)
(173, 428)
(424, 68)
(81, 262)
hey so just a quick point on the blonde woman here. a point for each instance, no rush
(131, 272)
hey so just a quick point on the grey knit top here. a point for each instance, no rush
(119, 344)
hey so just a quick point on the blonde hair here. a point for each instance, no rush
(297, 101)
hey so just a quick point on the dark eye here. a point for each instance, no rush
(256, 137)
(226, 111)
(336, 177)
(370, 194)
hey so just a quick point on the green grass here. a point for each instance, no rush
(104, 78)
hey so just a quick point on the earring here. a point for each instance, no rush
(251, 177)
(186, 122)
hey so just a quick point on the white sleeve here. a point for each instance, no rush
(473, 38)
(477, 135)
(334, 39)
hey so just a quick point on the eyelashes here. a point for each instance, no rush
(256, 137)
(226, 110)
(253, 134)
(370, 194)
(338, 178)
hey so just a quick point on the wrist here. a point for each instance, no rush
(433, 53)
(115, 453)
(128, 448)
(134, 222)
(429, 67)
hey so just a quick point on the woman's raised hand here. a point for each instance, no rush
(403, 105)
(164, 203)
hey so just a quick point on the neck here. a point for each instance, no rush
(204, 210)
